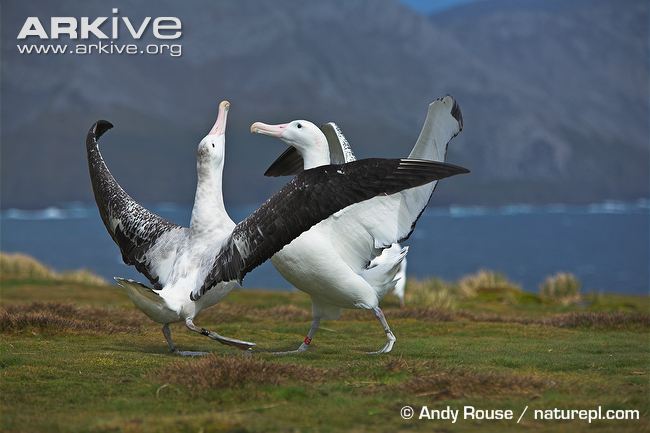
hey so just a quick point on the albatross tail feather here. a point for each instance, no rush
(382, 272)
(147, 300)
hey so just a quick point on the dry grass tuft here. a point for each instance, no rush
(432, 293)
(21, 266)
(458, 383)
(439, 294)
(56, 317)
(82, 276)
(485, 280)
(562, 288)
(219, 371)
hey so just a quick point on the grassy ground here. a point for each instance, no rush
(83, 359)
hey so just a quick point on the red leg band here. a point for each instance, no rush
(307, 341)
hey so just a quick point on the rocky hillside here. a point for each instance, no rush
(554, 96)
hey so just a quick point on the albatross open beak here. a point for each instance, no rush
(219, 127)
(270, 130)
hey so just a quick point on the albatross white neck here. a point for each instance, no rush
(209, 213)
(317, 153)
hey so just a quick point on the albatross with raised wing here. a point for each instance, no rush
(350, 260)
(192, 268)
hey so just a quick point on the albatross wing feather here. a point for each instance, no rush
(146, 240)
(310, 197)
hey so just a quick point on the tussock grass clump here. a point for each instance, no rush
(486, 281)
(21, 266)
(562, 288)
(432, 292)
(82, 276)
(56, 317)
(221, 371)
(459, 383)
(439, 294)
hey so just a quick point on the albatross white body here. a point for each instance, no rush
(350, 260)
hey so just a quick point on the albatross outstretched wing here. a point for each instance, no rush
(291, 163)
(146, 240)
(378, 223)
(309, 198)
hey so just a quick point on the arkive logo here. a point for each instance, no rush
(106, 30)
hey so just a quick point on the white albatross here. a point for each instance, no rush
(390, 264)
(192, 268)
(350, 260)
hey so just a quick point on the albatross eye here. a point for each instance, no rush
(299, 126)
(212, 144)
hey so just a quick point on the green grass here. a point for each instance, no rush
(87, 361)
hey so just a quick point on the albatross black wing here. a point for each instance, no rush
(146, 240)
(291, 163)
(309, 198)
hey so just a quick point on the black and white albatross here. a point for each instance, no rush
(345, 259)
(192, 268)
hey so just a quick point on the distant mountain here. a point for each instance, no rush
(554, 96)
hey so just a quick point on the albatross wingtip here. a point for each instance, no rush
(100, 127)
(458, 115)
(97, 130)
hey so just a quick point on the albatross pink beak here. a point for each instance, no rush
(219, 127)
(270, 130)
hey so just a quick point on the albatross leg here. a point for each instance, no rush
(305, 344)
(168, 336)
(389, 334)
(239, 344)
(172, 347)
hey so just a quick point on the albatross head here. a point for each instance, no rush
(212, 147)
(306, 137)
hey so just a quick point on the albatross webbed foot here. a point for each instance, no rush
(239, 344)
(303, 348)
(387, 347)
(172, 347)
(389, 334)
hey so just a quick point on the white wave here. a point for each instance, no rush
(49, 213)
(78, 210)
(516, 209)
(611, 207)
(468, 211)
(606, 207)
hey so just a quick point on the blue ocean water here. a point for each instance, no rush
(606, 245)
